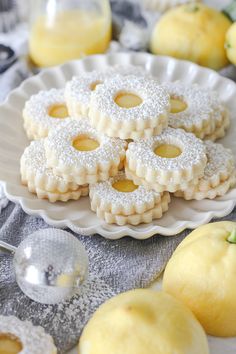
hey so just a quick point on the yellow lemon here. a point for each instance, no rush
(193, 32)
(143, 321)
(230, 43)
(201, 273)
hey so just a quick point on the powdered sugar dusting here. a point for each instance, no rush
(193, 150)
(36, 108)
(59, 142)
(106, 192)
(79, 88)
(64, 321)
(203, 106)
(155, 98)
(34, 159)
(219, 160)
(34, 340)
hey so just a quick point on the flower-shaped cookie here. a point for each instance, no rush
(80, 154)
(22, 337)
(195, 109)
(169, 159)
(44, 111)
(220, 130)
(129, 107)
(219, 174)
(118, 200)
(41, 180)
(78, 91)
(183, 185)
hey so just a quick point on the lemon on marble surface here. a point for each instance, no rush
(143, 321)
(202, 274)
(193, 32)
(230, 43)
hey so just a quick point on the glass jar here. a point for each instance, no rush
(63, 30)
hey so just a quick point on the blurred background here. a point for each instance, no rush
(40, 33)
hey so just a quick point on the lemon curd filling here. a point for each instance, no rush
(125, 185)
(58, 111)
(94, 85)
(84, 143)
(128, 100)
(177, 105)
(9, 344)
(168, 151)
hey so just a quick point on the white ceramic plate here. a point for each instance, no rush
(76, 214)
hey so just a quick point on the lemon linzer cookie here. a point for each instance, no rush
(78, 91)
(220, 130)
(168, 160)
(42, 181)
(80, 154)
(118, 200)
(129, 107)
(196, 110)
(219, 174)
(22, 337)
(44, 111)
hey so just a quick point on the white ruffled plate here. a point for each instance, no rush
(76, 214)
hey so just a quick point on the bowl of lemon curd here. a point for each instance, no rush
(63, 30)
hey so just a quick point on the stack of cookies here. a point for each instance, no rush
(128, 141)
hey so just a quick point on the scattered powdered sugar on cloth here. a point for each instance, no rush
(115, 266)
(63, 321)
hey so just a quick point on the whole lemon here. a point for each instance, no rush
(193, 32)
(143, 322)
(202, 274)
(230, 43)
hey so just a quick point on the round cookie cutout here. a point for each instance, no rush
(129, 107)
(170, 158)
(44, 111)
(22, 337)
(80, 154)
(78, 91)
(194, 109)
(120, 201)
(143, 321)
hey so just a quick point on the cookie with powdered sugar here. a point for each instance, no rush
(160, 188)
(219, 174)
(118, 200)
(41, 180)
(129, 107)
(169, 159)
(135, 219)
(22, 337)
(220, 131)
(44, 111)
(78, 91)
(80, 154)
(195, 109)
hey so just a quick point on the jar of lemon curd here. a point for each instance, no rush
(63, 30)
